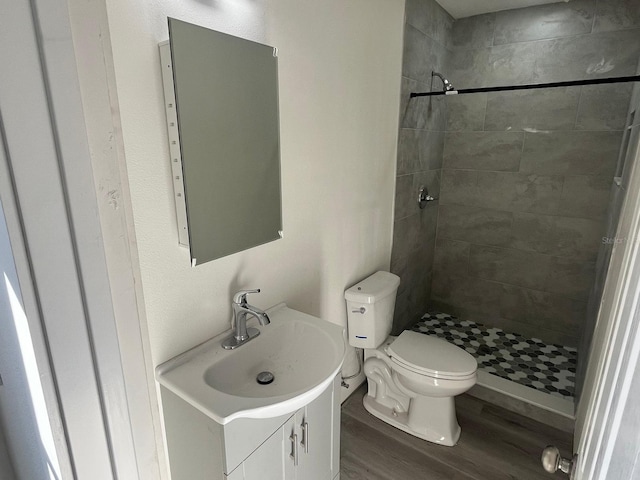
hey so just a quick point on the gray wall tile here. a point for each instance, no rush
(590, 56)
(476, 225)
(585, 196)
(430, 18)
(431, 149)
(408, 151)
(404, 197)
(541, 209)
(549, 109)
(483, 150)
(452, 256)
(421, 55)
(474, 32)
(617, 15)
(570, 153)
(473, 294)
(466, 112)
(510, 64)
(603, 107)
(506, 191)
(515, 267)
(412, 115)
(570, 277)
(420, 156)
(468, 68)
(544, 21)
(546, 310)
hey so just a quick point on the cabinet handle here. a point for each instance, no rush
(305, 436)
(294, 448)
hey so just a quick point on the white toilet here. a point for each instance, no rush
(412, 378)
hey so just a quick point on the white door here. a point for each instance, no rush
(607, 435)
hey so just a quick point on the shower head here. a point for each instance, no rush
(447, 84)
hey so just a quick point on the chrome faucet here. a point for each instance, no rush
(241, 309)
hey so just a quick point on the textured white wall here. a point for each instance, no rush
(340, 63)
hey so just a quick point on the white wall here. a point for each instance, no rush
(340, 64)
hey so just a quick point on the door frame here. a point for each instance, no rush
(75, 264)
(605, 448)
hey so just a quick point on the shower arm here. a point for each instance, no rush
(446, 84)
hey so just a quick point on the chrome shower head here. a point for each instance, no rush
(447, 84)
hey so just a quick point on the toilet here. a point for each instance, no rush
(412, 378)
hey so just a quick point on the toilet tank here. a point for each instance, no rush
(370, 305)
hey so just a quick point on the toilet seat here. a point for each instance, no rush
(431, 356)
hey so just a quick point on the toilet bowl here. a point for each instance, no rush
(413, 378)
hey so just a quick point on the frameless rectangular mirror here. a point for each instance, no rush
(226, 107)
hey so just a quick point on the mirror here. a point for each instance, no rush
(226, 98)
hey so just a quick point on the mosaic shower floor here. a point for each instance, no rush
(528, 361)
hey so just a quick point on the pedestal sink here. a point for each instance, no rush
(303, 353)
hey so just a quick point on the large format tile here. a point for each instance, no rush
(421, 55)
(467, 68)
(557, 236)
(483, 150)
(519, 192)
(473, 294)
(459, 187)
(570, 153)
(473, 32)
(430, 18)
(546, 109)
(544, 21)
(543, 309)
(508, 191)
(516, 267)
(408, 151)
(617, 15)
(571, 277)
(477, 225)
(404, 197)
(451, 256)
(466, 112)
(510, 64)
(594, 56)
(585, 196)
(603, 107)
(412, 112)
(431, 149)
(406, 236)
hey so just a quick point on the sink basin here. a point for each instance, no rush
(304, 354)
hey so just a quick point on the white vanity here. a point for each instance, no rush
(221, 423)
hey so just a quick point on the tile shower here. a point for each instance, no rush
(524, 179)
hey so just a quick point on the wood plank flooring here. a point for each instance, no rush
(495, 444)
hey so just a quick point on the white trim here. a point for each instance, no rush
(82, 300)
(615, 348)
(551, 403)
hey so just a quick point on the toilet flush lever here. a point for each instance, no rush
(360, 310)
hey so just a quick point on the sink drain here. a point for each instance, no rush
(265, 378)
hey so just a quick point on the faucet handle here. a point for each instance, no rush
(241, 297)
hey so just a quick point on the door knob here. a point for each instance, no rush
(552, 461)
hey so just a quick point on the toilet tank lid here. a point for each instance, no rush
(373, 288)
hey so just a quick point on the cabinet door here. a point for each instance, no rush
(274, 459)
(314, 422)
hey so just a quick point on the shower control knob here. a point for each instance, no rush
(552, 461)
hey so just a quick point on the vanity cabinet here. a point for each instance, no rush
(303, 445)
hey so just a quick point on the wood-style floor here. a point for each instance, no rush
(495, 445)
